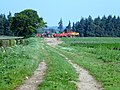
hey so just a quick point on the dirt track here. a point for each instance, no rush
(33, 82)
(86, 81)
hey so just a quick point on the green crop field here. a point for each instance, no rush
(100, 56)
(92, 40)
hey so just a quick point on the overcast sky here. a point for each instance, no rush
(53, 10)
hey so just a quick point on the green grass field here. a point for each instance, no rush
(100, 56)
(17, 63)
(20, 61)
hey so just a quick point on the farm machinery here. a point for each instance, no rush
(68, 34)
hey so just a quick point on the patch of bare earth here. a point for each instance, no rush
(33, 82)
(86, 81)
(52, 41)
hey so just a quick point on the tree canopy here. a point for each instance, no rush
(68, 27)
(26, 22)
(98, 27)
(60, 27)
(5, 24)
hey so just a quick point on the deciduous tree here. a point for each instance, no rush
(26, 22)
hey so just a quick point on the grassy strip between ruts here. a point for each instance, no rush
(98, 61)
(60, 75)
(17, 63)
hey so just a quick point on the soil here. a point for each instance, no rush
(85, 80)
(33, 82)
(52, 41)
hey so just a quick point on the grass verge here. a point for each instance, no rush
(17, 63)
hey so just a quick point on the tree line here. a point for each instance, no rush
(23, 23)
(98, 27)
(5, 24)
